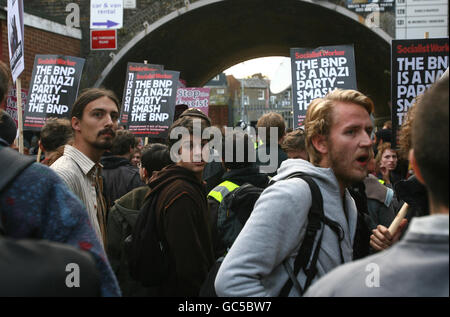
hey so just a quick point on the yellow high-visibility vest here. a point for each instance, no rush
(221, 190)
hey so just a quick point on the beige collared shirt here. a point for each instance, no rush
(79, 171)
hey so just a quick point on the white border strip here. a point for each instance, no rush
(49, 26)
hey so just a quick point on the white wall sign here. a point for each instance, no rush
(129, 4)
(415, 17)
(106, 14)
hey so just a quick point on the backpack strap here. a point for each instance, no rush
(315, 219)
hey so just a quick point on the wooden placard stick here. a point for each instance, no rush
(19, 113)
(38, 157)
(398, 219)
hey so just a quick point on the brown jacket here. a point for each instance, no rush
(185, 217)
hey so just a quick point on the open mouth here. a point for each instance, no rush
(363, 159)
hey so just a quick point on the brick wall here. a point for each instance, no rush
(38, 42)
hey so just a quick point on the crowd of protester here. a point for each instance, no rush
(311, 227)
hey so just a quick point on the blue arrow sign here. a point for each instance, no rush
(108, 23)
(106, 14)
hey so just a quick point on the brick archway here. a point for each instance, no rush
(209, 36)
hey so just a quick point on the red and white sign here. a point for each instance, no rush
(103, 39)
(11, 103)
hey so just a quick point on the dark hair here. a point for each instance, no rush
(55, 132)
(430, 140)
(188, 123)
(155, 157)
(243, 149)
(89, 95)
(294, 141)
(122, 142)
(8, 129)
(179, 109)
(272, 119)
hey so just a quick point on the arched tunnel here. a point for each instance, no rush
(214, 35)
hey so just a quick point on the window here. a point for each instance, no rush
(261, 94)
(216, 78)
(220, 91)
(273, 99)
(287, 95)
(246, 100)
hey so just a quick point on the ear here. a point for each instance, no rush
(144, 171)
(76, 124)
(415, 167)
(320, 143)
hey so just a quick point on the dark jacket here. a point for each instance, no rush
(212, 174)
(121, 220)
(39, 205)
(239, 177)
(184, 210)
(119, 178)
(264, 149)
(415, 195)
(41, 268)
(379, 202)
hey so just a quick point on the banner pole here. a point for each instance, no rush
(19, 113)
(146, 138)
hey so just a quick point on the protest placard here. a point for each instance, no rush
(53, 89)
(416, 65)
(317, 71)
(11, 103)
(15, 37)
(194, 98)
(152, 103)
(130, 79)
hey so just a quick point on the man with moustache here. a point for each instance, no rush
(94, 122)
(338, 129)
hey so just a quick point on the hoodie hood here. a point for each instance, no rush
(324, 175)
(170, 173)
(112, 162)
(329, 187)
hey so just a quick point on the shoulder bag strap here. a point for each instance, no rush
(315, 216)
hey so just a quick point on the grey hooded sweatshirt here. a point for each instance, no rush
(275, 231)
